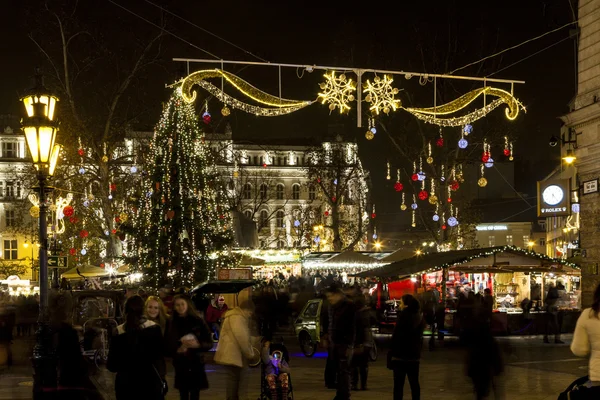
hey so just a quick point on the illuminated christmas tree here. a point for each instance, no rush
(181, 229)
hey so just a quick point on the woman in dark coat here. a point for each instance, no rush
(189, 336)
(136, 355)
(407, 341)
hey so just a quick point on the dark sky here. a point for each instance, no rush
(423, 36)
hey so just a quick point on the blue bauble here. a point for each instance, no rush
(489, 163)
(414, 206)
(463, 143)
(452, 221)
(436, 217)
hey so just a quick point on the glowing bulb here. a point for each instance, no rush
(82, 170)
(83, 252)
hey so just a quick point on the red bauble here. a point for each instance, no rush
(485, 157)
(449, 199)
(81, 152)
(83, 233)
(333, 199)
(206, 118)
(327, 213)
(506, 152)
(114, 231)
(398, 187)
(72, 251)
(440, 142)
(415, 177)
(318, 180)
(73, 220)
(113, 187)
(423, 195)
(102, 265)
(373, 215)
(118, 220)
(265, 165)
(444, 227)
(454, 186)
(68, 211)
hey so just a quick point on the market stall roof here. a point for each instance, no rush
(88, 271)
(398, 255)
(491, 259)
(333, 259)
(249, 260)
(350, 257)
(225, 286)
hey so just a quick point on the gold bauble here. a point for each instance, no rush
(377, 79)
(342, 77)
(322, 85)
(403, 207)
(351, 97)
(332, 106)
(368, 98)
(123, 217)
(236, 174)
(369, 135)
(386, 110)
(104, 159)
(433, 199)
(429, 160)
(511, 158)
(225, 111)
(482, 182)
(34, 211)
(413, 225)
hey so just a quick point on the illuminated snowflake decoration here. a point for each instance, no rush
(337, 91)
(380, 94)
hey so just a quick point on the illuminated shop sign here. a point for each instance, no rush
(492, 227)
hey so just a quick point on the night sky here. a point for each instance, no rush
(420, 36)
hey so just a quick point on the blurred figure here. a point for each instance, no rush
(362, 344)
(189, 336)
(484, 360)
(136, 355)
(407, 341)
(586, 341)
(214, 314)
(7, 324)
(552, 325)
(488, 303)
(235, 348)
(341, 337)
(166, 295)
(155, 311)
(276, 370)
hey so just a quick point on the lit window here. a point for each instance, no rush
(10, 250)
(509, 240)
(9, 218)
(492, 241)
(525, 241)
(9, 150)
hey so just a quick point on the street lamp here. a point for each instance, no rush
(40, 128)
(569, 157)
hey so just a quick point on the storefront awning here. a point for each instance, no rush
(492, 259)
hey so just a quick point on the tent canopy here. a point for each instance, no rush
(249, 260)
(88, 271)
(230, 286)
(350, 257)
(491, 259)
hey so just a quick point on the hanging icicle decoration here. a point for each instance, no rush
(388, 177)
(432, 197)
(403, 205)
(429, 157)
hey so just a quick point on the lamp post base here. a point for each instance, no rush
(44, 361)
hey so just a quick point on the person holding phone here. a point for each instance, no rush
(276, 370)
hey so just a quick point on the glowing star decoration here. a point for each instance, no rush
(463, 143)
(452, 221)
(337, 92)
(380, 94)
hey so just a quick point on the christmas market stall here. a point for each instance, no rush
(342, 266)
(16, 286)
(518, 279)
(269, 263)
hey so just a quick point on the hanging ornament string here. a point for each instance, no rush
(388, 176)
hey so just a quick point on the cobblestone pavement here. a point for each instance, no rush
(534, 371)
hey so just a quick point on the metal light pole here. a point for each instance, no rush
(40, 129)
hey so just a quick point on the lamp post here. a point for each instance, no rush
(40, 128)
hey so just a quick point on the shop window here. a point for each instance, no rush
(312, 193)
(9, 149)
(264, 191)
(279, 218)
(492, 241)
(280, 190)
(525, 241)
(509, 240)
(296, 192)
(10, 250)
(247, 192)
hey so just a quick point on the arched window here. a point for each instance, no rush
(296, 191)
(247, 192)
(279, 218)
(312, 192)
(264, 191)
(280, 190)
(248, 214)
(281, 244)
(264, 216)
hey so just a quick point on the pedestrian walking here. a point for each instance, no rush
(586, 342)
(189, 336)
(235, 348)
(363, 344)
(407, 342)
(552, 325)
(342, 325)
(136, 355)
(484, 360)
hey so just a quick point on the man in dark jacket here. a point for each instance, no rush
(362, 344)
(341, 336)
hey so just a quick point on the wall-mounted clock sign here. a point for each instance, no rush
(554, 198)
(553, 195)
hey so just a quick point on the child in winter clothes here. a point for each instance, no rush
(276, 369)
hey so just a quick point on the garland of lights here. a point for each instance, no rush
(458, 121)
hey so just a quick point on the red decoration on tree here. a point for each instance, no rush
(221, 216)
(506, 152)
(118, 220)
(81, 152)
(73, 220)
(449, 199)
(264, 165)
(454, 186)
(373, 215)
(327, 213)
(101, 265)
(68, 211)
(206, 118)
(415, 177)
(485, 157)
(444, 227)
(72, 251)
(318, 180)
(333, 199)
(398, 187)
(423, 195)
(440, 142)
(114, 231)
(113, 187)
(83, 233)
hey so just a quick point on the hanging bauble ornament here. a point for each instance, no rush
(117, 219)
(489, 163)
(398, 186)
(83, 233)
(114, 231)
(373, 129)
(113, 187)
(449, 200)
(86, 203)
(575, 207)
(454, 185)
(236, 174)
(170, 214)
(468, 129)
(511, 158)
(482, 182)
(72, 251)
(452, 221)
(444, 227)
(104, 158)
(506, 152)
(83, 252)
(415, 177)
(374, 236)
(421, 176)
(414, 206)
(123, 217)
(326, 213)
(133, 169)
(433, 199)
(52, 207)
(414, 225)
(81, 152)
(333, 199)
(463, 143)
(296, 223)
(436, 217)
(82, 170)
(68, 211)
(73, 220)
(423, 195)
(373, 215)
(403, 207)
(485, 157)
(439, 142)
(264, 165)
(442, 179)
(335, 181)
(91, 197)
(369, 135)
(429, 160)
(206, 117)
(107, 233)
(225, 111)
(110, 197)
(34, 211)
